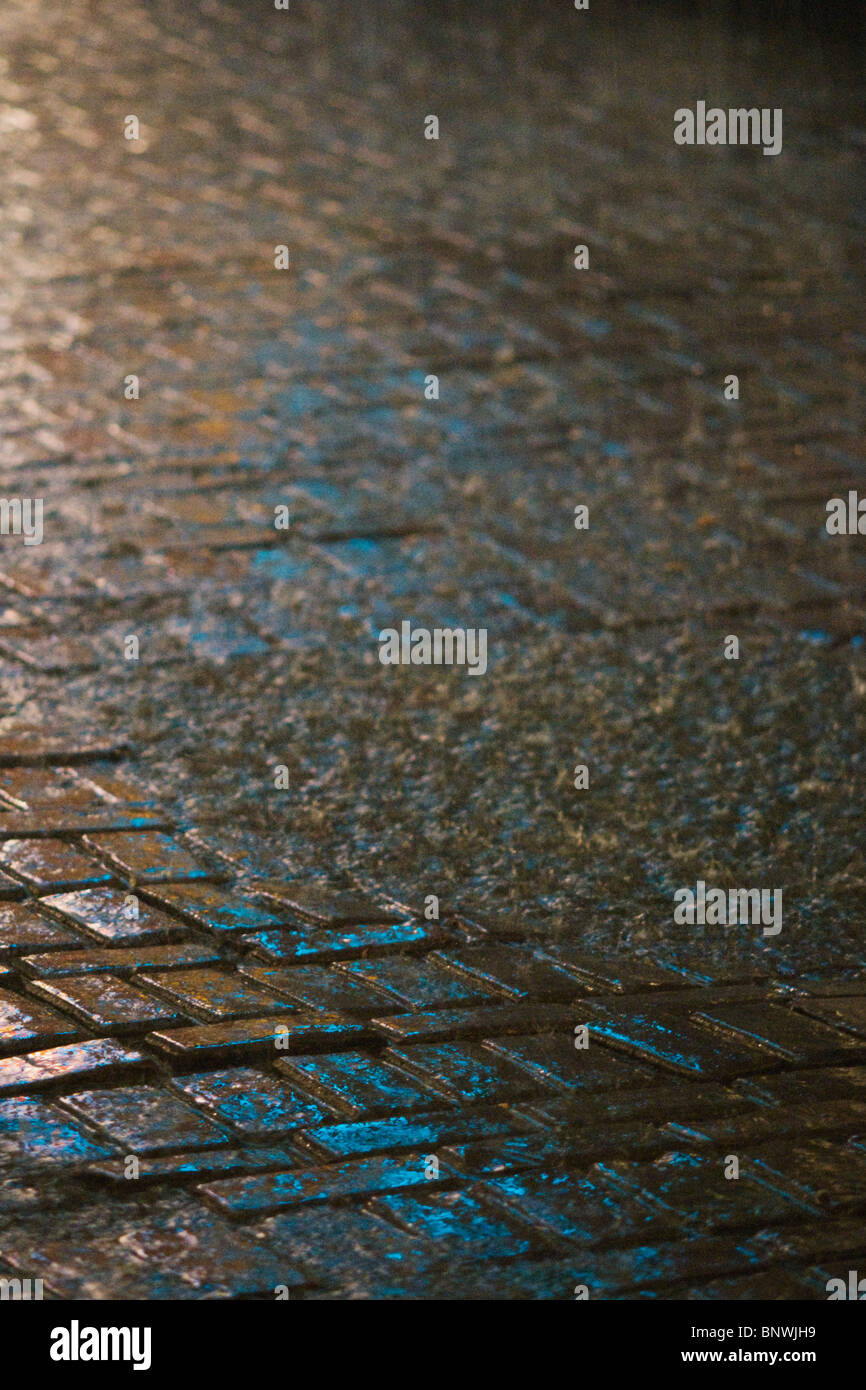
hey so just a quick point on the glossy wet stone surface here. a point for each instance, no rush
(786, 1033)
(106, 1003)
(576, 1210)
(696, 1189)
(208, 1255)
(248, 1196)
(420, 984)
(466, 1073)
(441, 1024)
(255, 1104)
(211, 994)
(671, 1042)
(358, 1086)
(316, 944)
(243, 984)
(25, 1025)
(188, 1168)
(513, 971)
(112, 916)
(143, 1120)
(22, 929)
(55, 1066)
(410, 1131)
(30, 1131)
(122, 960)
(457, 1222)
(146, 857)
(258, 1037)
(316, 987)
(555, 1062)
(326, 905)
(214, 908)
(49, 864)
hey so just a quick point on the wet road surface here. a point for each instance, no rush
(214, 1082)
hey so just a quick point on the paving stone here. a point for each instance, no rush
(49, 864)
(259, 646)
(673, 1097)
(579, 1210)
(739, 1133)
(800, 1088)
(109, 914)
(83, 1269)
(247, 1197)
(781, 1031)
(513, 971)
(827, 1174)
(71, 1271)
(257, 1037)
(682, 1003)
(694, 1189)
(460, 1225)
(105, 1002)
(668, 1041)
(145, 857)
(511, 1153)
(27, 788)
(669, 1269)
(186, 1169)
(318, 987)
(118, 961)
(67, 1063)
(606, 1274)
(215, 909)
(24, 1025)
(11, 890)
(848, 1014)
(832, 987)
(501, 926)
(341, 1246)
(330, 907)
(467, 1072)
(113, 784)
(832, 1238)
(318, 944)
(620, 978)
(410, 1132)
(721, 975)
(417, 982)
(22, 930)
(255, 1104)
(143, 1120)
(553, 1060)
(359, 1086)
(211, 994)
(209, 1255)
(30, 1131)
(446, 1024)
(29, 824)
(573, 1148)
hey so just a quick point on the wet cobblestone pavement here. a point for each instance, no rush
(238, 1050)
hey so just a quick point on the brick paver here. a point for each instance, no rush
(296, 948)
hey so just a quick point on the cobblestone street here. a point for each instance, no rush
(239, 1049)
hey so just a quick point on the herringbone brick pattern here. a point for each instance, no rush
(235, 1054)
